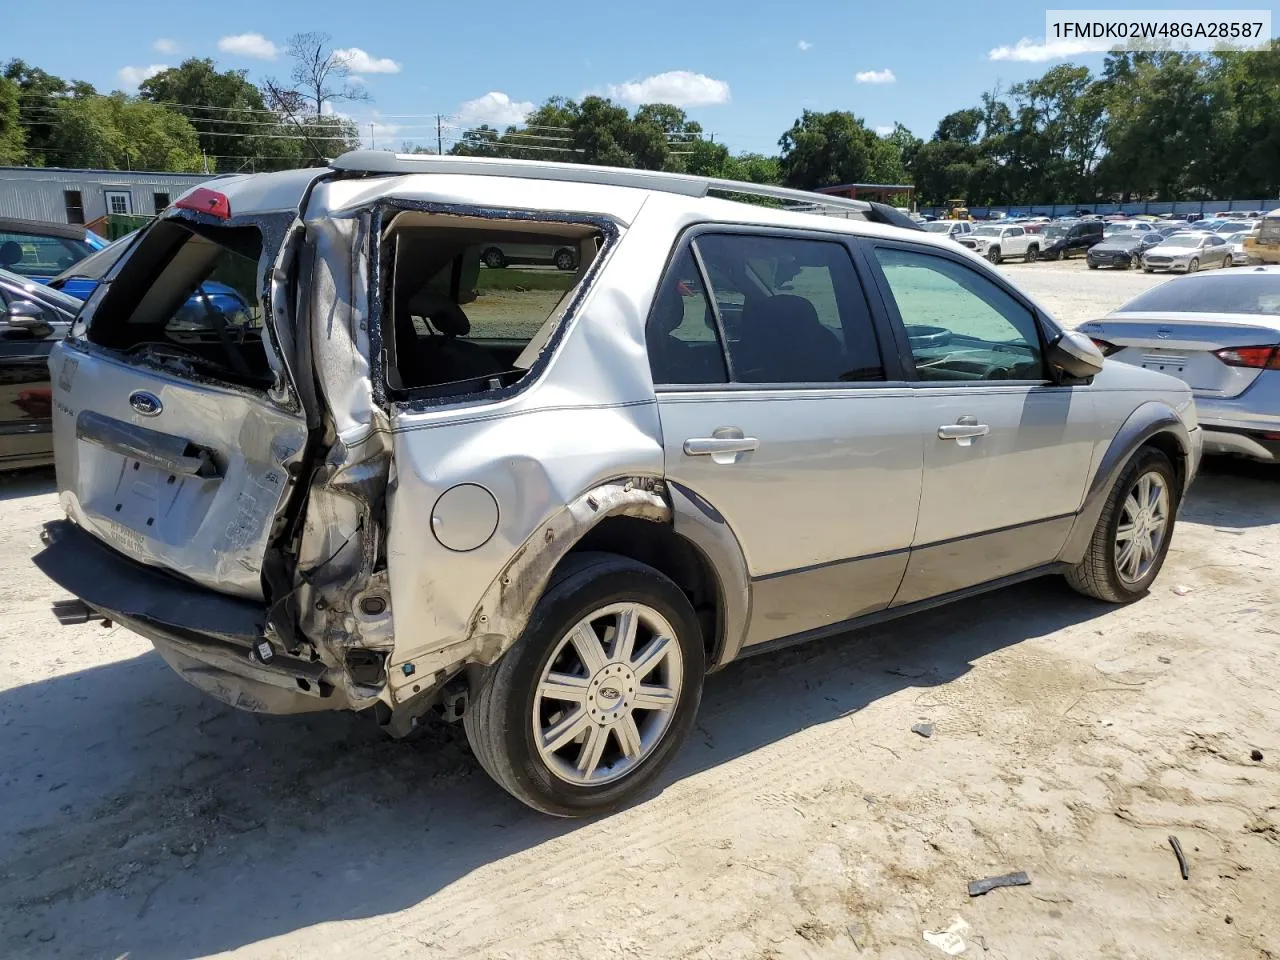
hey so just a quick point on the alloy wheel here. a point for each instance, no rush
(607, 694)
(1143, 526)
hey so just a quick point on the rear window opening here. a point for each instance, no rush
(469, 302)
(188, 299)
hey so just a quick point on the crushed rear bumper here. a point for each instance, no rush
(207, 637)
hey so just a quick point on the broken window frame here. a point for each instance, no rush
(477, 389)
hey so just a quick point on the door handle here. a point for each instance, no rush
(963, 431)
(710, 446)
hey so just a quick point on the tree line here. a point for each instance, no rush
(1159, 126)
(189, 118)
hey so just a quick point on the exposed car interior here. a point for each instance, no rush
(457, 325)
(187, 299)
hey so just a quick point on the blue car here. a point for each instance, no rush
(40, 251)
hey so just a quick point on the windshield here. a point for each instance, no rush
(1253, 293)
(986, 231)
(938, 226)
(1181, 240)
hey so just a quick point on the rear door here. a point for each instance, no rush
(177, 428)
(779, 410)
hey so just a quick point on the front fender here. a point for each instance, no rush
(1151, 419)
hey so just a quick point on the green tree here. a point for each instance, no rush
(233, 125)
(119, 133)
(826, 149)
(1161, 121)
(1247, 136)
(12, 140)
(39, 95)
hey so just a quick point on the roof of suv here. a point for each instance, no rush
(285, 190)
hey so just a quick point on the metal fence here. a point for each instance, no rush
(1201, 207)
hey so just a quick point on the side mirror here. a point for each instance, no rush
(25, 313)
(1075, 355)
(27, 319)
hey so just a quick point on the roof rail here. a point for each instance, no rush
(379, 161)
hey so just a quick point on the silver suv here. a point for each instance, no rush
(550, 503)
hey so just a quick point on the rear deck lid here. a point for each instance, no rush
(177, 430)
(1194, 327)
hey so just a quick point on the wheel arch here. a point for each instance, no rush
(700, 553)
(1154, 424)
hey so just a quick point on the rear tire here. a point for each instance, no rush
(493, 257)
(565, 260)
(1107, 571)
(512, 717)
(1093, 266)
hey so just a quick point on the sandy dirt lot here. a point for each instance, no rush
(804, 819)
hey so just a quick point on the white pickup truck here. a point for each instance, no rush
(996, 242)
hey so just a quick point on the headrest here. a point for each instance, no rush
(10, 253)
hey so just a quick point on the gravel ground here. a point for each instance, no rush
(804, 819)
(1073, 293)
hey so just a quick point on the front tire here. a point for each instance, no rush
(565, 260)
(993, 255)
(494, 258)
(1033, 254)
(1194, 265)
(597, 694)
(1132, 537)
(1135, 262)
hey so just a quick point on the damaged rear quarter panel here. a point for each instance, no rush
(588, 418)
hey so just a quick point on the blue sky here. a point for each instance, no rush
(744, 69)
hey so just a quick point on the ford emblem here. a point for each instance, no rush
(1164, 333)
(147, 404)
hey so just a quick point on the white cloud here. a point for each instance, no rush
(876, 76)
(132, 76)
(884, 131)
(494, 108)
(165, 45)
(1037, 51)
(679, 87)
(253, 45)
(804, 45)
(361, 62)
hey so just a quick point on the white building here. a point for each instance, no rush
(55, 195)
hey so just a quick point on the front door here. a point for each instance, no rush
(780, 410)
(1006, 451)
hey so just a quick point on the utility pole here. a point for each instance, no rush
(439, 138)
(373, 143)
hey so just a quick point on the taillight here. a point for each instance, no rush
(1258, 358)
(1107, 347)
(204, 200)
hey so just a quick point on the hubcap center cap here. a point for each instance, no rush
(612, 691)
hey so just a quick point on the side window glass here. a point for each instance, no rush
(960, 325)
(681, 334)
(793, 310)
